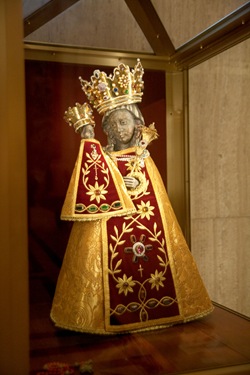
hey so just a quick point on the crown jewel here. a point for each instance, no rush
(108, 92)
(79, 116)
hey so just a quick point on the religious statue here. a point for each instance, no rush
(127, 267)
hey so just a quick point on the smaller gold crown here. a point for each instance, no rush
(108, 92)
(79, 116)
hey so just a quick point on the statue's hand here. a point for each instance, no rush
(130, 182)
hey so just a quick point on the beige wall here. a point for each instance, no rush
(219, 116)
(14, 332)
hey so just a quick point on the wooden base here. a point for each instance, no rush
(217, 344)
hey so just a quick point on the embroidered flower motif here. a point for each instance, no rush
(125, 284)
(133, 165)
(97, 192)
(157, 280)
(145, 210)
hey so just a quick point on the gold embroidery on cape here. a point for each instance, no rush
(118, 208)
(96, 192)
(192, 296)
(93, 208)
(125, 284)
(82, 298)
(78, 301)
(134, 167)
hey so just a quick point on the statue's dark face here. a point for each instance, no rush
(88, 132)
(122, 125)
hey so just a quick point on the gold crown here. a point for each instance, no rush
(108, 92)
(79, 116)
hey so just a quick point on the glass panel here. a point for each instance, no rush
(30, 6)
(106, 24)
(185, 19)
